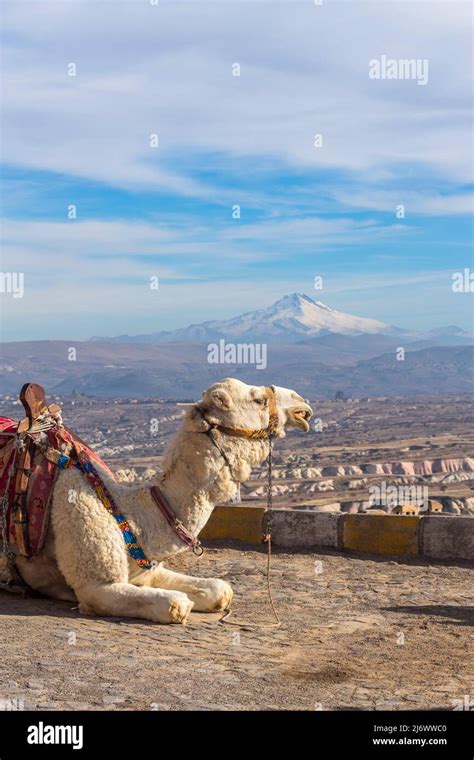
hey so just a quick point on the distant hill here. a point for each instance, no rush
(181, 370)
(310, 347)
(440, 369)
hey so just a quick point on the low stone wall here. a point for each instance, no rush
(438, 536)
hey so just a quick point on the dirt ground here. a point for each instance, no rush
(356, 634)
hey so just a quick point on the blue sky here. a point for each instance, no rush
(226, 140)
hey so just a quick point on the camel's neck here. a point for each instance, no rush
(196, 475)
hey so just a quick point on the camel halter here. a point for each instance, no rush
(250, 434)
(261, 434)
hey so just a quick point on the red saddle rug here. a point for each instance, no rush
(41, 482)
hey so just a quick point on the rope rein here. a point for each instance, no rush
(268, 540)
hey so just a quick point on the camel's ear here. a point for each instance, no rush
(218, 398)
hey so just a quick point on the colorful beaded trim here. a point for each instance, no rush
(103, 493)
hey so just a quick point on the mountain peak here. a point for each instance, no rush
(295, 317)
(299, 301)
(293, 300)
(292, 318)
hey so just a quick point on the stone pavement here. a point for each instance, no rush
(357, 633)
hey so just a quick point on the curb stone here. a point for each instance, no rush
(435, 536)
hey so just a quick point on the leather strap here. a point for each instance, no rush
(248, 433)
(19, 513)
(272, 410)
(172, 520)
(261, 434)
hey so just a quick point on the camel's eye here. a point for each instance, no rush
(261, 401)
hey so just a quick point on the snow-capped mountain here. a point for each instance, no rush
(295, 317)
(292, 318)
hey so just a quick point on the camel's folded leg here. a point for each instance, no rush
(126, 600)
(208, 594)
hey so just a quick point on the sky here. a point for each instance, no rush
(329, 210)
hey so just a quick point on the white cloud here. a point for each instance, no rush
(77, 269)
(123, 249)
(315, 232)
(167, 69)
(414, 202)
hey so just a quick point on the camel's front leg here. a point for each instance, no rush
(126, 600)
(208, 594)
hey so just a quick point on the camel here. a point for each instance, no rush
(85, 559)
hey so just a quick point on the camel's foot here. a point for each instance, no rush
(210, 595)
(207, 594)
(179, 608)
(126, 600)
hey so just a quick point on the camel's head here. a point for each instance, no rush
(234, 404)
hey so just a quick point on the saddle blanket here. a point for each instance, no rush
(41, 480)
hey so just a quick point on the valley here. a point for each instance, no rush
(354, 447)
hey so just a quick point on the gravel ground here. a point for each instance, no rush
(356, 634)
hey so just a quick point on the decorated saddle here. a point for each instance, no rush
(31, 453)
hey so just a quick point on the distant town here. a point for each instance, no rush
(355, 446)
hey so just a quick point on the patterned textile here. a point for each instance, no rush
(41, 480)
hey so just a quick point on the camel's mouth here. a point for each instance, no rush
(299, 416)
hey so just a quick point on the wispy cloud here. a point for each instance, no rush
(227, 140)
(168, 70)
(427, 203)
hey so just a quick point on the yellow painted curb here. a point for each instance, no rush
(381, 534)
(238, 523)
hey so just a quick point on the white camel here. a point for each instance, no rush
(85, 557)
